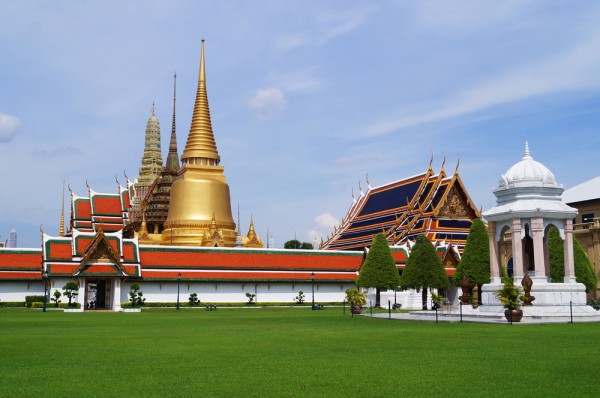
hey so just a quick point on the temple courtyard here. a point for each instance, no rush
(258, 352)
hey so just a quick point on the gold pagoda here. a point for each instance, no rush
(200, 206)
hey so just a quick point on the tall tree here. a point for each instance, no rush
(584, 271)
(475, 261)
(379, 269)
(424, 269)
(296, 244)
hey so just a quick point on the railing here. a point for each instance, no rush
(595, 224)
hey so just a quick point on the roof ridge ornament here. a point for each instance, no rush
(527, 153)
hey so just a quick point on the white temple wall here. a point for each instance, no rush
(226, 292)
(17, 290)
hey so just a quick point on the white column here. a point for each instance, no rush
(81, 299)
(568, 250)
(116, 294)
(494, 263)
(537, 230)
(517, 249)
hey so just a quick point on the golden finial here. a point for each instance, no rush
(87, 185)
(359, 187)
(202, 76)
(431, 160)
(443, 163)
(368, 183)
(125, 174)
(457, 164)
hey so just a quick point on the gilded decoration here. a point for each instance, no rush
(455, 206)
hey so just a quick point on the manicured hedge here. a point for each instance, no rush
(39, 304)
(12, 304)
(243, 304)
(33, 299)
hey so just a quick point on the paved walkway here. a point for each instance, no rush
(429, 316)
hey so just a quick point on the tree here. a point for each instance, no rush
(379, 269)
(136, 296)
(56, 298)
(194, 299)
(296, 244)
(475, 261)
(70, 290)
(584, 271)
(424, 269)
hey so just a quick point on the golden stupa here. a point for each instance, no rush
(200, 207)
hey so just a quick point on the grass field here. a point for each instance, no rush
(288, 352)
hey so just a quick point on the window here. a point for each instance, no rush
(587, 217)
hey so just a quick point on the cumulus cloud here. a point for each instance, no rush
(268, 102)
(9, 126)
(326, 220)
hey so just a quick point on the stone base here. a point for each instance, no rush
(551, 300)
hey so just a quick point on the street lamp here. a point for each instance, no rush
(312, 278)
(178, 283)
(45, 279)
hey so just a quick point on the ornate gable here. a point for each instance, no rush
(456, 203)
(99, 257)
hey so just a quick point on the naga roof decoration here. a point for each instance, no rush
(432, 204)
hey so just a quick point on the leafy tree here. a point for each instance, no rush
(424, 269)
(70, 290)
(251, 297)
(296, 244)
(194, 299)
(292, 244)
(379, 269)
(56, 298)
(136, 295)
(584, 271)
(475, 261)
(556, 255)
(299, 299)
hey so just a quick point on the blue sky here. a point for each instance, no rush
(306, 98)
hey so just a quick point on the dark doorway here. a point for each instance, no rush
(97, 294)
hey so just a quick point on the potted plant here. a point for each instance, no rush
(511, 297)
(356, 300)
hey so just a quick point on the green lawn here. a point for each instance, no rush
(288, 352)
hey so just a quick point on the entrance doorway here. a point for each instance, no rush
(97, 294)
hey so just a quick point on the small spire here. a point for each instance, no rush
(153, 108)
(527, 153)
(239, 225)
(202, 76)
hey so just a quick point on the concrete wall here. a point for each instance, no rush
(16, 290)
(236, 292)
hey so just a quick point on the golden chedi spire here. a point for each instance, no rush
(200, 200)
(61, 228)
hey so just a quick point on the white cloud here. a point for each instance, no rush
(268, 102)
(9, 126)
(572, 70)
(326, 220)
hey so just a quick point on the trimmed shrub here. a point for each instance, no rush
(13, 304)
(40, 304)
(33, 299)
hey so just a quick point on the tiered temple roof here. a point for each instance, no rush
(158, 203)
(105, 211)
(436, 205)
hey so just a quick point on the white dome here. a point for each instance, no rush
(527, 172)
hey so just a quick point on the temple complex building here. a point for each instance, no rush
(585, 197)
(158, 204)
(150, 169)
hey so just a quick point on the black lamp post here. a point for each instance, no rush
(178, 283)
(45, 279)
(312, 278)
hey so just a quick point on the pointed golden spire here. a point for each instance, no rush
(251, 232)
(201, 148)
(61, 228)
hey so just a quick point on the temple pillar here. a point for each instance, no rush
(494, 263)
(116, 288)
(517, 249)
(537, 230)
(81, 299)
(568, 252)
